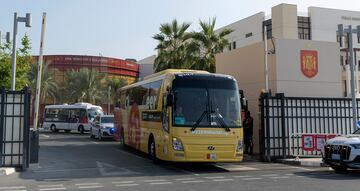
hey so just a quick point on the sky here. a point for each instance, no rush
(124, 28)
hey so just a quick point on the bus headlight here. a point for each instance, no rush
(240, 146)
(177, 144)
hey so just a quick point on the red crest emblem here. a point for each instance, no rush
(309, 63)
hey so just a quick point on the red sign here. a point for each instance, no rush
(320, 142)
(308, 142)
(309, 63)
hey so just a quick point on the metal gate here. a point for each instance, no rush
(285, 119)
(14, 128)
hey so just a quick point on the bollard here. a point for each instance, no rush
(34, 146)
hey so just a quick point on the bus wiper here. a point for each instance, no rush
(221, 120)
(218, 117)
(196, 124)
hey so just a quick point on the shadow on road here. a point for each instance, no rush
(67, 156)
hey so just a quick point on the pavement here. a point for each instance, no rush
(306, 162)
(7, 171)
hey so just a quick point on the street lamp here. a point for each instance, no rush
(27, 21)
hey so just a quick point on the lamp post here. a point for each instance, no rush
(27, 21)
(354, 90)
(109, 89)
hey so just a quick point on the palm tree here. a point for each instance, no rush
(85, 85)
(172, 46)
(210, 43)
(49, 87)
(115, 84)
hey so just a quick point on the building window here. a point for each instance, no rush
(234, 45)
(342, 60)
(268, 24)
(248, 35)
(304, 28)
(345, 89)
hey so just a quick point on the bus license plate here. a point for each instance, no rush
(212, 156)
(335, 156)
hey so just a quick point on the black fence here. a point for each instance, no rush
(14, 128)
(286, 120)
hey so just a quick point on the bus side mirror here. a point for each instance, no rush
(169, 99)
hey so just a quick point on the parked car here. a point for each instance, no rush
(102, 127)
(343, 152)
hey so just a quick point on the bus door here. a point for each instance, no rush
(74, 119)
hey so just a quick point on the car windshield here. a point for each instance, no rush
(107, 119)
(206, 103)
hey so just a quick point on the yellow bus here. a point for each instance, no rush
(182, 116)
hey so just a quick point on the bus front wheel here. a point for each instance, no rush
(152, 150)
(53, 128)
(81, 129)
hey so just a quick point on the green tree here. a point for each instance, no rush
(172, 46)
(85, 86)
(49, 87)
(210, 44)
(23, 60)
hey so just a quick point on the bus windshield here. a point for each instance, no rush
(93, 112)
(206, 102)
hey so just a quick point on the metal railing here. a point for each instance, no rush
(14, 128)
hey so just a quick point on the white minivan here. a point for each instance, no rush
(65, 117)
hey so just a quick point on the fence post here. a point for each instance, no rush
(281, 96)
(2, 115)
(262, 127)
(26, 128)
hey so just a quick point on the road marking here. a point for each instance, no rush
(252, 178)
(95, 142)
(192, 181)
(300, 176)
(123, 182)
(289, 174)
(87, 184)
(214, 177)
(246, 176)
(48, 189)
(180, 179)
(222, 180)
(279, 177)
(159, 183)
(49, 185)
(88, 187)
(268, 175)
(114, 170)
(13, 187)
(123, 185)
(159, 180)
(46, 136)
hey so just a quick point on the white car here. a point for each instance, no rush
(343, 152)
(102, 127)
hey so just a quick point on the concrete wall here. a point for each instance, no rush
(290, 79)
(284, 21)
(252, 24)
(146, 66)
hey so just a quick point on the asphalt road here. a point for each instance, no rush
(75, 162)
